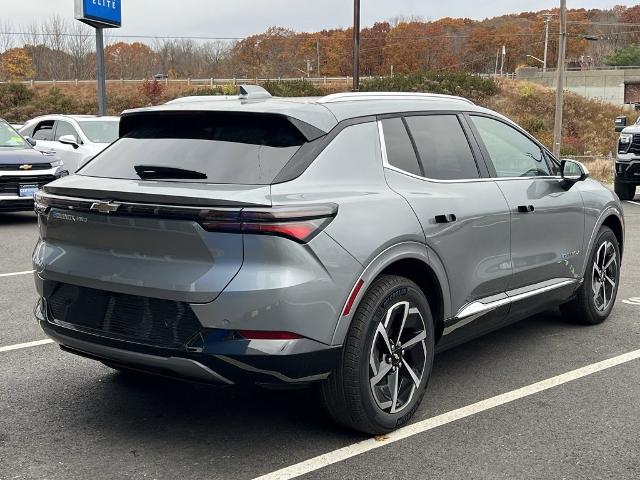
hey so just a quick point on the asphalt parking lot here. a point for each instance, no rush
(65, 417)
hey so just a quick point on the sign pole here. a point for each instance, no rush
(102, 82)
(356, 45)
(100, 14)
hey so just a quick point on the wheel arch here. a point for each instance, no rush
(615, 224)
(613, 218)
(410, 260)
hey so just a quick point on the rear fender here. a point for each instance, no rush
(395, 253)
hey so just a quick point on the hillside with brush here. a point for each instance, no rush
(587, 129)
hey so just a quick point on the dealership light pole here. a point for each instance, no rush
(356, 45)
(557, 129)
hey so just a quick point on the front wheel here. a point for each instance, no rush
(625, 191)
(597, 294)
(386, 361)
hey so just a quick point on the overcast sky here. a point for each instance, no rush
(238, 18)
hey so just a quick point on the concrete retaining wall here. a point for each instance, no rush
(604, 85)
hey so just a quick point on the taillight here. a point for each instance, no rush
(299, 223)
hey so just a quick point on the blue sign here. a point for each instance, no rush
(99, 13)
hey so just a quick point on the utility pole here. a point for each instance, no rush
(547, 21)
(504, 53)
(495, 74)
(356, 45)
(557, 129)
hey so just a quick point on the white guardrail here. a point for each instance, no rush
(200, 81)
(224, 81)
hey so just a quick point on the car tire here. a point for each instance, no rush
(597, 294)
(386, 361)
(625, 191)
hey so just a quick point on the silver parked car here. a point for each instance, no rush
(74, 139)
(339, 241)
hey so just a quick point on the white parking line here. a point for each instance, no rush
(631, 201)
(19, 346)
(350, 451)
(16, 273)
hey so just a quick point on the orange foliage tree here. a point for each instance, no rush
(16, 64)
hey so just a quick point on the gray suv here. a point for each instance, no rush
(339, 242)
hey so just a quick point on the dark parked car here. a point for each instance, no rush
(23, 170)
(339, 241)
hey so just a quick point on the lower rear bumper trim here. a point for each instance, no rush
(181, 367)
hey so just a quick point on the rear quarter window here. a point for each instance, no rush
(226, 148)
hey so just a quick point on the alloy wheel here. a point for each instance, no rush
(398, 357)
(604, 276)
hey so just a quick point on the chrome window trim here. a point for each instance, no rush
(387, 165)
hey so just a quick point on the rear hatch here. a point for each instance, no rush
(157, 214)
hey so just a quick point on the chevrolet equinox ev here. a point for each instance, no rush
(338, 242)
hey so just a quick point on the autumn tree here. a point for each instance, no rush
(129, 60)
(373, 41)
(16, 64)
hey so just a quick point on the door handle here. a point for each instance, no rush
(447, 218)
(526, 208)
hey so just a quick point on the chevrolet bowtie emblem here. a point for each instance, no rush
(26, 166)
(105, 207)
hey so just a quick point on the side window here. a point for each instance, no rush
(65, 128)
(400, 152)
(512, 153)
(44, 131)
(443, 147)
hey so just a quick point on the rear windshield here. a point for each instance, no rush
(248, 149)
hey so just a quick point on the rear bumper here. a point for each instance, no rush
(216, 358)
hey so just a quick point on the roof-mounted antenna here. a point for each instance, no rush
(253, 92)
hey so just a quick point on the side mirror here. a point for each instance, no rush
(621, 123)
(69, 140)
(30, 141)
(573, 171)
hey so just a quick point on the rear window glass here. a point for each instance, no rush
(248, 149)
